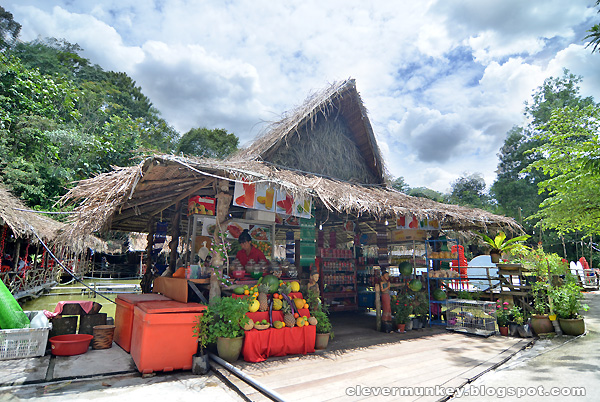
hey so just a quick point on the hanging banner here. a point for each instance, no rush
(244, 195)
(411, 222)
(264, 197)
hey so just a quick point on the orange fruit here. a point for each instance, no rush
(246, 292)
(306, 306)
(296, 315)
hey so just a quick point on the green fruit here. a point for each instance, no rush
(439, 295)
(264, 322)
(272, 282)
(405, 268)
(239, 290)
(415, 285)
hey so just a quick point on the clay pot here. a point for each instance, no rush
(541, 324)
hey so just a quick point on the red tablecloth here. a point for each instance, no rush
(259, 345)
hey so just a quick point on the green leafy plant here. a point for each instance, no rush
(500, 245)
(566, 300)
(323, 324)
(502, 313)
(419, 303)
(402, 309)
(226, 317)
(540, 298)
(516, 315)
(201, 331)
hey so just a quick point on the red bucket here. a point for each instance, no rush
(70, 345)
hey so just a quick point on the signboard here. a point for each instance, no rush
(411, 222)
(201, 205)
(264, 197)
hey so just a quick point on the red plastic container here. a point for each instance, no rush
(162, 338)
(124, 315)
(238, 274)
(71, 344)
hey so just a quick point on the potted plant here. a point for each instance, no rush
(516, 318)
(567, 304)
(323, 329)
(502, 313)
(402, 311)
(500, 245)
(226, 317)
(420, 309)
(201, 331)
(540, 322)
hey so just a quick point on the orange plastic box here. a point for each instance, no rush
(162, 338)
(124, 315)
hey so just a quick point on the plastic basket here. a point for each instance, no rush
(25, 342)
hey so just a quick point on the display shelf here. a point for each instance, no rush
(337, 270)
(437, 246)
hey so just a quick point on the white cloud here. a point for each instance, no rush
(443, 80)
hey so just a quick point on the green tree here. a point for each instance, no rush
(571, 145)
(400, 185)
(594, 35)
(515, 188)
(469, 190)
(9, 29)
(425, 192)
(516, 191)
(216, 143)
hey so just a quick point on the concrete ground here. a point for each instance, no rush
(110, 374)
(559, 365)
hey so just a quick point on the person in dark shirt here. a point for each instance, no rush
(248, 251)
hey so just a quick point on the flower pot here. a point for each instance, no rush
(321, 341)
(200, 364)
(575, 326)
(417, 323)
(401, 327)
(541, 324)
(525, 331)
(513, 329)
(229, 348)
(408, 326)
(495, 257)
(503, 331)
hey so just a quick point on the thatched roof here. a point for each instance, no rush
(127, 198)
(25, 224)
(329, 134)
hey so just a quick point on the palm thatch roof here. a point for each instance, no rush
(329, 134)
(25, 224)
(127, 198)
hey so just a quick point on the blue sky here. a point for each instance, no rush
(443, 80)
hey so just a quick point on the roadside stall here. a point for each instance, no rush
(313, 195)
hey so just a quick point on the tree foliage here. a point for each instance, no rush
(216, 143)
(9, 29)
(469, 190)
(400, 185)
(572, 159)
(594, 35)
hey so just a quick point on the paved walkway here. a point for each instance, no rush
(424, 358)
(564, 363)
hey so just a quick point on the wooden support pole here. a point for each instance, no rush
(148, 278)
(378, 307)
(16, 255)
(175, 233)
